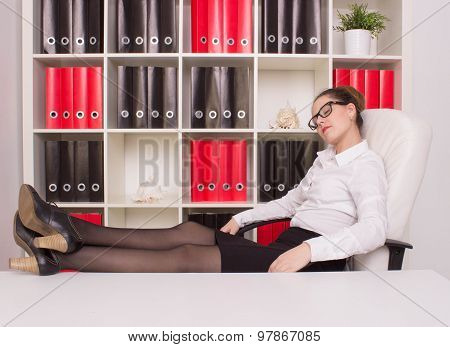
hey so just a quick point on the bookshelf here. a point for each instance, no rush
(274, 78)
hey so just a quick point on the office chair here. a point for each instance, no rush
(404, 143)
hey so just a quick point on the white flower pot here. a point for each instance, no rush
(357, 42)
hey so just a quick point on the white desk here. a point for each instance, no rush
(256, 299)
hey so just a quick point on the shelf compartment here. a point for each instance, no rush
(141, 218)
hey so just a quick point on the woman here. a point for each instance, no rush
(337, 210)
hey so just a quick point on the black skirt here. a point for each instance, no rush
(242, 255)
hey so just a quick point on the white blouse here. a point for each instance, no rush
(342, 198)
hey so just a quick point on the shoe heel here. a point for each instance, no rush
(24, 264)
(56, 242)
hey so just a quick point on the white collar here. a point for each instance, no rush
(344, 157)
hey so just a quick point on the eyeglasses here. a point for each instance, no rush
(324, 112)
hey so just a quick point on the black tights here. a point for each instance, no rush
(186, 247)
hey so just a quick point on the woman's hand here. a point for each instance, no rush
(231, 227)
(292, 260)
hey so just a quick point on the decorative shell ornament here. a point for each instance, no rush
(286, 118)
(149, 193)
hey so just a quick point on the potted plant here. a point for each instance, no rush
(359, 26)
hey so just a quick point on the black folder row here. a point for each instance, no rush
(74, 171)
(146, 26)
(283, 164)
(220, 97)
(72, 26)
(291, 26)
(147, 97)
(211, 220)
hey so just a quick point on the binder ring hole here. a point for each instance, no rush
(169, 114)
(64, 41)
(212, 114)
(51, 40)
(154, 40)
(200, 187)
(53, 187)
(281, 187)
(203, 39)
(95, 187)
(80, 114)
(285, 39)
(241, 114)
(66, 114)
(244, 42)
(198, 114)
(67, 187)
(168, 40)
(53, 114)
(239, 187)
(81, 187)
(313, 40)
(215, 41)
(139, 40)
(299, 40)
(266, 187)
(295, 185)
(211, 186)
(93, 40)
(139, 114)
(271, 38)
(124, 114)
(80, 41)
(226, 186)
(94, 114)
(125, 40)
(155, 114)
(230, 42)
(227, 113)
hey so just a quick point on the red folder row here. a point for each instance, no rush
(221, 26)
(269, 233)
(95, 218)
(218, 170)
(74, 98)
(376, 85)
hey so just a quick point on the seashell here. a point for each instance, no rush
(148, 193)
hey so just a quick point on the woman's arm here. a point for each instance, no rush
(368, 187)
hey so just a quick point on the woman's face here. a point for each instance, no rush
(339, 122)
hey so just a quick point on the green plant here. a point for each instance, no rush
(360, 18)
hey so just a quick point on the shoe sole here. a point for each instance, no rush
(28, 215)
(21, 243)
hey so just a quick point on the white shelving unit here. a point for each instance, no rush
(275, 79)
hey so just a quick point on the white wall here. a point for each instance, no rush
(430, 222)
(11, 124)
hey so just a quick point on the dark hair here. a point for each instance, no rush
(347, 94)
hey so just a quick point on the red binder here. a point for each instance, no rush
(357, 80)
(199, 26)
(264, 234)
(341, 77)
(197, 171)
(67, 97)
(78, 215)
(211, 178)
(80, 97)
(372, 88)
(277, 229)
(386, 88)
(95, 97)
(53, 98)
(225, 170)
(230, 26)
(215, 26)
(245, 20)
(95, 218)
(239, 172)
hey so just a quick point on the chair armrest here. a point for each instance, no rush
(396, 253)
(251, 226)
(395, 243)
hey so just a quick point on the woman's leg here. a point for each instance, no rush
(185, 258)
(155, 239)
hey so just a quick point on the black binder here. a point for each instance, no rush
(311, 26)
(139, 26)
(154, 25)
(139, 119)
(310, 153)
(266, 152)
(297, 169)
(242, 97)
(298, 41)
(222, 219)
(227, 96)
(81, 164)
(96, 188)
(95, 26)
(67, 171)
(210, 220)
(281, 159)
(80, 26)
(124, 32)
(196, 217)
(212, 87)
(270, 26)
(65, 27)
(124, 96)
(284, 26)
(170, 97)
(198, 100)
(155, 97)
(168, 36)
(52, 170)
(49, 17)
